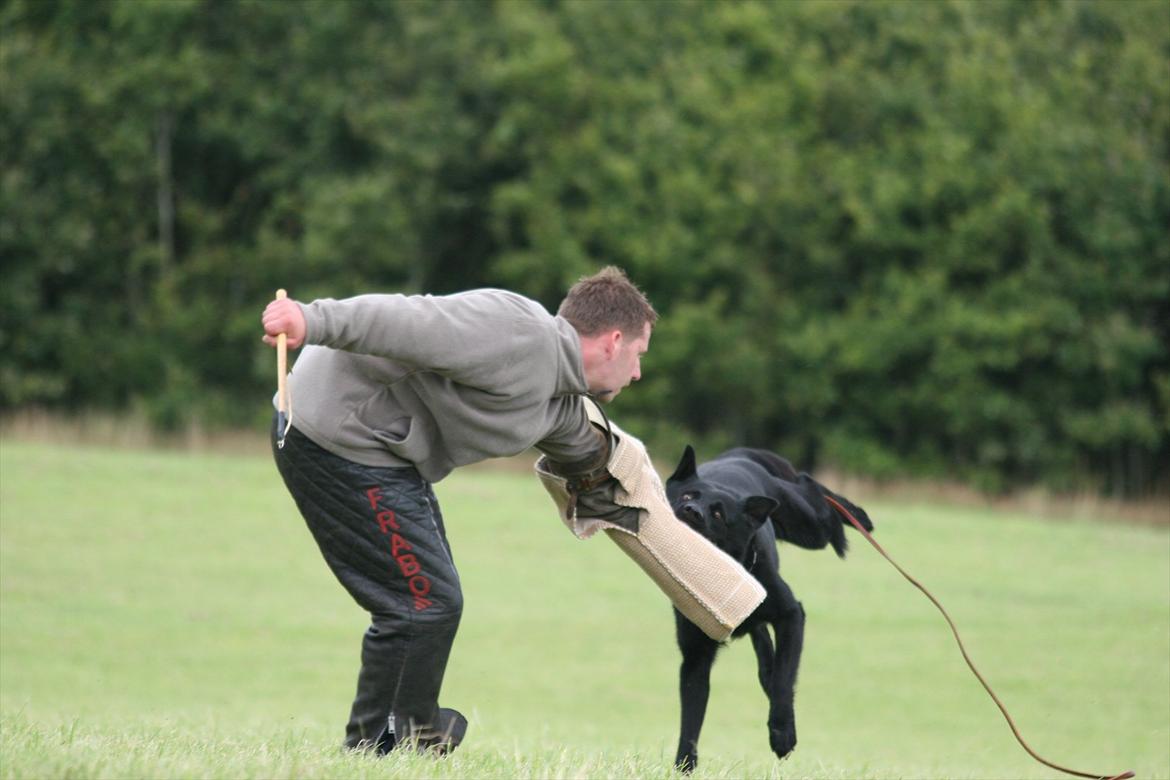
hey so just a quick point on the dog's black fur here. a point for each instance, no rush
(744, 501)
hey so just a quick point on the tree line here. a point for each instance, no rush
(895, 237)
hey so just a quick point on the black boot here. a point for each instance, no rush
(439, 738)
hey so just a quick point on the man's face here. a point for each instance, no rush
(622, 366)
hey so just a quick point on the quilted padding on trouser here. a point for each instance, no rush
(381, 533)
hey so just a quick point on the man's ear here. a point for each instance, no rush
(686, 466)
(613, 341)
(759, 508)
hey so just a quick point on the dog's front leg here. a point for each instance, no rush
(789, 642)
(694, 687)
(765, 656)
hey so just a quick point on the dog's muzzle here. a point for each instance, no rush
(691, 515)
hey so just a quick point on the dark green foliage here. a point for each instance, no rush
(899, 237)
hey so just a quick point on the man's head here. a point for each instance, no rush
(614, 320)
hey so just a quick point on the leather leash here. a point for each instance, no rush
(869, 537)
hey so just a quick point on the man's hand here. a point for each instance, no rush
(592, 489)
(284, 316)
(599, 503)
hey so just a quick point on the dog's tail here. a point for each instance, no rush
(806, 519)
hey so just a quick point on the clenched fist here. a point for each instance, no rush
(284, 315)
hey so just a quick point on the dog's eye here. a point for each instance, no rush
(718, 515)
(688, 496)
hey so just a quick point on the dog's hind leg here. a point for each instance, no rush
(694, 686)
(789, 643)
(765, 656)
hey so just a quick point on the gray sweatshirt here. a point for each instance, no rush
(440, 381)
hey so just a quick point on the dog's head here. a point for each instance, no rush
(728, 520)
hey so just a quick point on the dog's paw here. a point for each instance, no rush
(686, 762)
(783, 740)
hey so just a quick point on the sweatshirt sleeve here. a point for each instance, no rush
(575, 445)
(483, 339)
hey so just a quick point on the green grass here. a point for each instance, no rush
(167, 615)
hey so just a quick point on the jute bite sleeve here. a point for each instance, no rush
(704, 583)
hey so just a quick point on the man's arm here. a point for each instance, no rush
(484, 339)
(591, 487)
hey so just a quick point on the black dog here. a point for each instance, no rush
(743, 501)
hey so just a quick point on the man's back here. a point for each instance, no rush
(437, 382)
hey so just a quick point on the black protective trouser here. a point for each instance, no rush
(381, 533)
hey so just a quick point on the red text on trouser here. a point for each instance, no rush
(416, 579)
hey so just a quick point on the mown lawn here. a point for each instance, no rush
(166, 615)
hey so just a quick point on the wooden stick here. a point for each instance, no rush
(281, 366)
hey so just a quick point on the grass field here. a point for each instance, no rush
(167, 615)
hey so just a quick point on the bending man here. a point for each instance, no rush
(393, 392)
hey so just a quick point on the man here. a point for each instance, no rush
(393, 392)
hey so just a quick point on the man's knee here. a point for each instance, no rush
(433, 593)
(446, 609)
(440, 607)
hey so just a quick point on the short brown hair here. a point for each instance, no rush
(606, 300)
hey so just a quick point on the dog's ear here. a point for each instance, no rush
(759, 508)
(686, 466)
